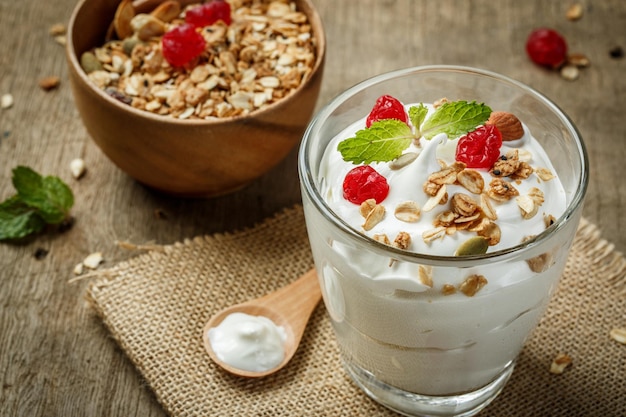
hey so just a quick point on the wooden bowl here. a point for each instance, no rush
(193, 158)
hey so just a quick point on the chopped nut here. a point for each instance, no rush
(49, 83)
(409, 212)
(93, 260)
(472, 284)
(619, 335)
(77, 168)
(560, 362)
(374, 217)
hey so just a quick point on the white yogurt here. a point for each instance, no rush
(249, 343)
(405, 331)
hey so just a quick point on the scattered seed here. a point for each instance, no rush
(79, 268)
(90, 63)
(40, 254)
(49, 83)
(93, 260)
(559, 363)
(570, 72)
(579, 60)
(78, 168)
(616, 52)
(6, 101)
(574, 12)
(619, 335)
(57, 29)
(476, 245)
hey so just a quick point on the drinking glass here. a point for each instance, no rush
(428, 353)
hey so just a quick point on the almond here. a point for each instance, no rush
(508, 124)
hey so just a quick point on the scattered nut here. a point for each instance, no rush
(78, 269)
(579, 60)
(508, 124)
(93, 260)
(6, 101)
(574, 12)
(78, 168)
(570, 72)
(49, 83)
(57, 29)
(619, 335)
(560, 362)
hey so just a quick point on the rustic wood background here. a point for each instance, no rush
(56, 358)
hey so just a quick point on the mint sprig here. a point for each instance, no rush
(385, 140)
(39, 201)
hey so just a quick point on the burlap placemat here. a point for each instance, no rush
(156, 304)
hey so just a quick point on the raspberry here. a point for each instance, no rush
(387, 107)
(480, 148)
(209, 13)
(363, 183)
(546, 47)
(182, 44)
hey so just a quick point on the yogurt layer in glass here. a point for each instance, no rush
(427, 324)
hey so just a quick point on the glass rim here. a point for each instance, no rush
(307, 180)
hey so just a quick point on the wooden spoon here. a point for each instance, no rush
(289, 307)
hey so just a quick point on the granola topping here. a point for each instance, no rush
(264, 54)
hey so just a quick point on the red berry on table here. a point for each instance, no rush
(546, 47)
(363, 183)
(182, 44)
(208, 13)
(480, 148)
(387, 107)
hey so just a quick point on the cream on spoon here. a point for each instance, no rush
(246, 339)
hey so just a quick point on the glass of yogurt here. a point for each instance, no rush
(437, 253)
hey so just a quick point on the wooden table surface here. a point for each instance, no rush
(56, 357)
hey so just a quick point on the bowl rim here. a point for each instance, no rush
(316, 71)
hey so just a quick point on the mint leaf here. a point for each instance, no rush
(383, 141)
(455, 119)
(49, 195)
(417, 114)
(18, 220)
